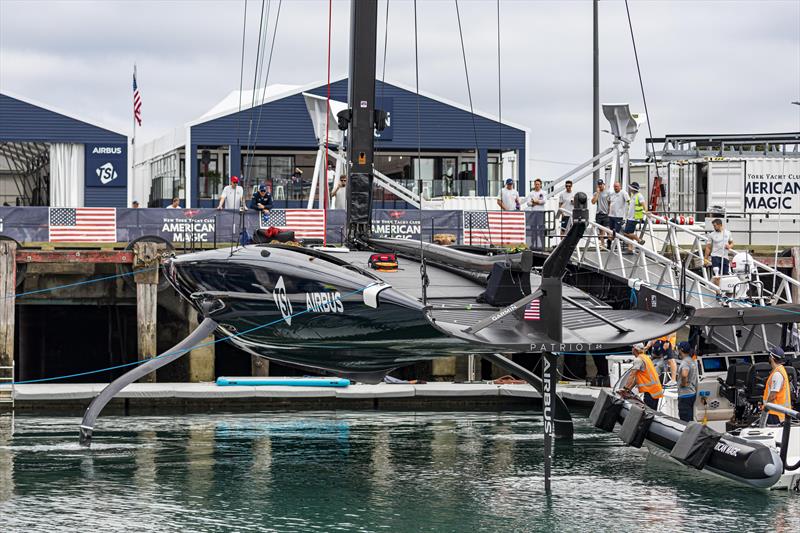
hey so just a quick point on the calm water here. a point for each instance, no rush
(356, 471)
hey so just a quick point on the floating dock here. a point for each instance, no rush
(72, 398)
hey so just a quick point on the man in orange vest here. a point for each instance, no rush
(643, 376)
(777, 388)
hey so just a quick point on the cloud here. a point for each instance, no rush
(710, 67)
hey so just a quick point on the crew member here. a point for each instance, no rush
(262, 200)
(777, 389)
(601, 198)
(644, 377)
(508, 199)
(176, 203)
(231, 197)
(566, 201)
(636, 211)
(687, 383)
(719, 242)
(535, 201)
(616, 210)
(339, 193)
(664, 348)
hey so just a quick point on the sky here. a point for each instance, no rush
(707, 66)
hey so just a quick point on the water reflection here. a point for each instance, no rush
(339, 471)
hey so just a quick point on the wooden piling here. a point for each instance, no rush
(8, 281)
(146, 278)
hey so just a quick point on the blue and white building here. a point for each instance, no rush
(52, 158)
(456, 153)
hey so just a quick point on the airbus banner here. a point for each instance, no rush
(106, 165)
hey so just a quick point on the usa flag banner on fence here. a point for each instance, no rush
(83, 224)
(494, 227)
(532, 311)
(305, 223)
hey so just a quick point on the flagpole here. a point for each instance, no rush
(131, 179)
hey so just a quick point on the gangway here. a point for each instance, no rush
(7, 399)
(659, 262)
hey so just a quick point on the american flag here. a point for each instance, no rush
(494, 227)
(305, 223)
(83, 224)
(137, 100)
(532, 311)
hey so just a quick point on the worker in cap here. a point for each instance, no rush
(508, 199)
(262, 199)
(777, 389)
(637, 208)
(688, 382)
(644, 377)
(231, 197)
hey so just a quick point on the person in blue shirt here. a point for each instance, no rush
(262, 200)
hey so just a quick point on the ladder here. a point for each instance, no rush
(659, 262)
(7, 386)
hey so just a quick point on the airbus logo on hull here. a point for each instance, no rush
(324, 302)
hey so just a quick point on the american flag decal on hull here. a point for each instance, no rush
(532, 311)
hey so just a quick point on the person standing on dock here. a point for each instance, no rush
(339, 193)
(601, 199)
(231, 197)
(719, 242)
(508, 199)
(687, 382)
(176, 203)
(535, 201)
(637, 209)
(644, 377)
(617, 202)
(777, 389)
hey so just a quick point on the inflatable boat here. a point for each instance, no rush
(759, 457)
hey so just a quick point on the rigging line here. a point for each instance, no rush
(641, 84)
(241, 76)
(500, 124)
(266, 78)
(245, 170)
(200, 345)
(323, 201)
(418, 166)
(471, 112)
(84, 282)
(266, 75)
(385, 45)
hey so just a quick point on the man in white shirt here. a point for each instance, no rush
(508, 199)
(719, 242)
(565, 205)
(535, 201)
(339, 193)
(231, 197)
(616, 207)
(176, 203)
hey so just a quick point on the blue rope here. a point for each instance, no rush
(85, 282)
(254, 328)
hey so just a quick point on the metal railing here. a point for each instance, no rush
(789, 222)
(659, 263)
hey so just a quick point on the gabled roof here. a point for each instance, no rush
(58, 111)
(230, 104)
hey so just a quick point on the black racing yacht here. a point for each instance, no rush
(334, 312)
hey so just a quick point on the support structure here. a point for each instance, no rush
(595, 93)
(147, 257)
(8, 278)
(361, 131)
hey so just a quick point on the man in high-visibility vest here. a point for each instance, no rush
(777, 388)
(637, 208)
(644, 377)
